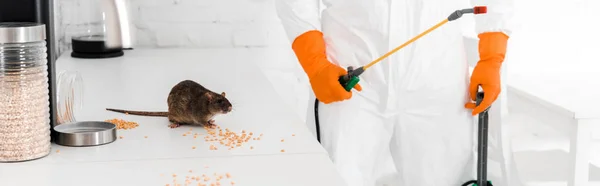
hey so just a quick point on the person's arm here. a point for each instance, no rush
(493, 31)
(301, 21)
(298, 16)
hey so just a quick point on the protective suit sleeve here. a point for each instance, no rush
(493, 32)
(298, 16)
(497, 18)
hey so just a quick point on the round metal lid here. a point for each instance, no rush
(22, 32)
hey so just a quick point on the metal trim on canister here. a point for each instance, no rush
(22, 32)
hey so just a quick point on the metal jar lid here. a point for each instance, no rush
(22, 32)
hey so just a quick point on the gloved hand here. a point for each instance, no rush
(323, 75)
(492, 48)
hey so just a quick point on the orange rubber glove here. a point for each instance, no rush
(492, 48)
(323, 75)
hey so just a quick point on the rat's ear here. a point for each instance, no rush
(223, 94)
(208, 95)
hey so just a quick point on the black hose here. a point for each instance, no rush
(318, 127)
(469, 183)
(474, 182)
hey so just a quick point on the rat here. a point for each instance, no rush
(190, 104)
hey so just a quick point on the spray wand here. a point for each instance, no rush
(349, 80)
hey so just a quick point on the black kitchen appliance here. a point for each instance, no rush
(38, 11)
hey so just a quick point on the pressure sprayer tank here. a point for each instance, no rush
(24, 92)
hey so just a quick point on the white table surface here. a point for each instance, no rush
(164, 142)
(267, 170)
(141, 80)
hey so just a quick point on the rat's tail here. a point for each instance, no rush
(141, 113)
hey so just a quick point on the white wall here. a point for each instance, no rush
(191, 23)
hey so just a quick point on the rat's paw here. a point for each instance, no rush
(174, 125)
(212, 126)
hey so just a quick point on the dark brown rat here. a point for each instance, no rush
(190, 103)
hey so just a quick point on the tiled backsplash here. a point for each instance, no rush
(189, 23)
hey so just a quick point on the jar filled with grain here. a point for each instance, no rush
(24, 92)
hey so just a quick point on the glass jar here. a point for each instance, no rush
(24, 92)
(69, 96)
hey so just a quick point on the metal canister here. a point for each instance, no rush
(24, 92)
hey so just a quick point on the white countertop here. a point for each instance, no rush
(266, 170)
(141, 80)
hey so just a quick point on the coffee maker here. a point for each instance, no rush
(38, 11)
(102, 29)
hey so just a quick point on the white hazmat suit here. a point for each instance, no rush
(409, 120)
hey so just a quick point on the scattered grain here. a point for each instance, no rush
(122, 124)
(120, 137)
(227, 137)
(282, 150)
